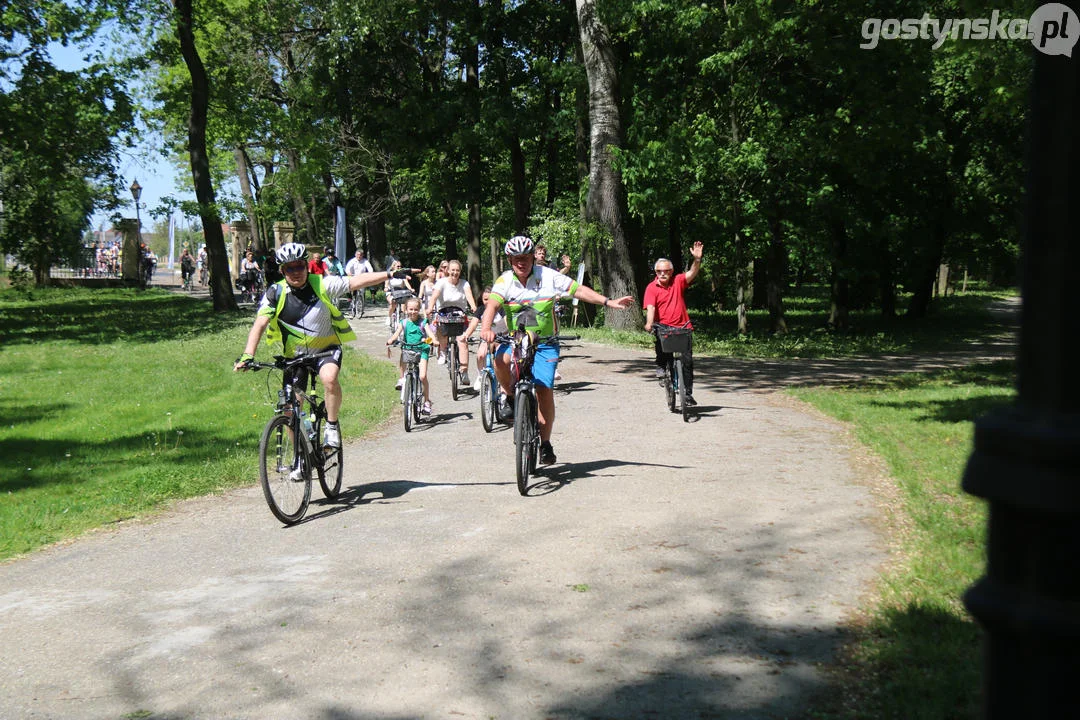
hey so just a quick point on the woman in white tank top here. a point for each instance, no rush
(453, 291)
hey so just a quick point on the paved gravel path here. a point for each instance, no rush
(664, 569)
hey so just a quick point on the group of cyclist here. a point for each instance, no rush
(301, 312)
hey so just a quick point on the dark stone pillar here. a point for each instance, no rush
(1026, 460)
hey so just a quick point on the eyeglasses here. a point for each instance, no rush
(521, 258)
(293, 268)
(663, 272)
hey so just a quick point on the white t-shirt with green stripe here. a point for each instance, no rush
(540, 291)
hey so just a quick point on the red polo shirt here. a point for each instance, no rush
(669, 302)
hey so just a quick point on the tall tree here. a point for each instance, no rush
(606, 204)
(220, 280)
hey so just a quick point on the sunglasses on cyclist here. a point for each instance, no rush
(293, 268)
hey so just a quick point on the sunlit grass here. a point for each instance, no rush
(916, 654)
(114, 402)
(955, 322)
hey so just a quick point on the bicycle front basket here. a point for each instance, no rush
(452, 322)
(674, 340)
(409, 356)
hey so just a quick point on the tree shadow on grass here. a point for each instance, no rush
(103, 318)
(912, 661)
(34, 463)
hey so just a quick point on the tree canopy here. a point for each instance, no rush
(766, 129)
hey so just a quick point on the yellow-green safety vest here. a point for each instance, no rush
(341, 326)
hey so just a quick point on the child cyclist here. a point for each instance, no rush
(414, 331)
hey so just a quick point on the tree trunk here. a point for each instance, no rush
(551, 143)
(306, 228)
(243, 176)
(221, 289)
(607, 204)
(775, 275)
(518, 182)
(926, 270)
(581, 153)
(674, 241)
(886, 280)
(474, 181)
(838, 292)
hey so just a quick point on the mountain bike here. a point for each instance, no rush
(674, 340)
(357, 303)
(289, 449)
(523, 346)
(452, 322)
(250, 287)
(412, 391)
(489, 390)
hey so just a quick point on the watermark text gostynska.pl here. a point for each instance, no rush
(1053, 29)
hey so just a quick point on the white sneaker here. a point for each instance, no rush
(477, 381)
(558, 375)
(332, 436)
(400, 382)
(442, 359)
(296, 475)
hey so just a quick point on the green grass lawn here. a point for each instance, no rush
(114, 402)
(955, 322)
(915, 653)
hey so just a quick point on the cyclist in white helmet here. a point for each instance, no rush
(539, 287)
(299, 312)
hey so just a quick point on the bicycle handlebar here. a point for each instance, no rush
(281, 362)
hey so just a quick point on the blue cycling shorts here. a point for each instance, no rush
(544, 363)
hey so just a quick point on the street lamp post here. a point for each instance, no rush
(136, 193)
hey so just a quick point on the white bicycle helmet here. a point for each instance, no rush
(291, 252)
(519, 245)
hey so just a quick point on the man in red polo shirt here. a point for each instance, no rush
(664, 304)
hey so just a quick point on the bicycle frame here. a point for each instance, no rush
(675, 338)
(305, 455)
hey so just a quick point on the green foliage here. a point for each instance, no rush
(748, 125)
(138, 406)
(58, 147)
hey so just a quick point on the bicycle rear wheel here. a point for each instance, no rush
(523, 439)
(452, 363)
(279, 456)
(408, 404)
(670, 384)
(331, 472)
(488, 399)
(682, 387)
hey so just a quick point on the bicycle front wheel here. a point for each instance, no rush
(523, 439)
(452, 364)
(359, 306)
(408, 405)
(488, 400)
(331, 472)
(287, 492)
